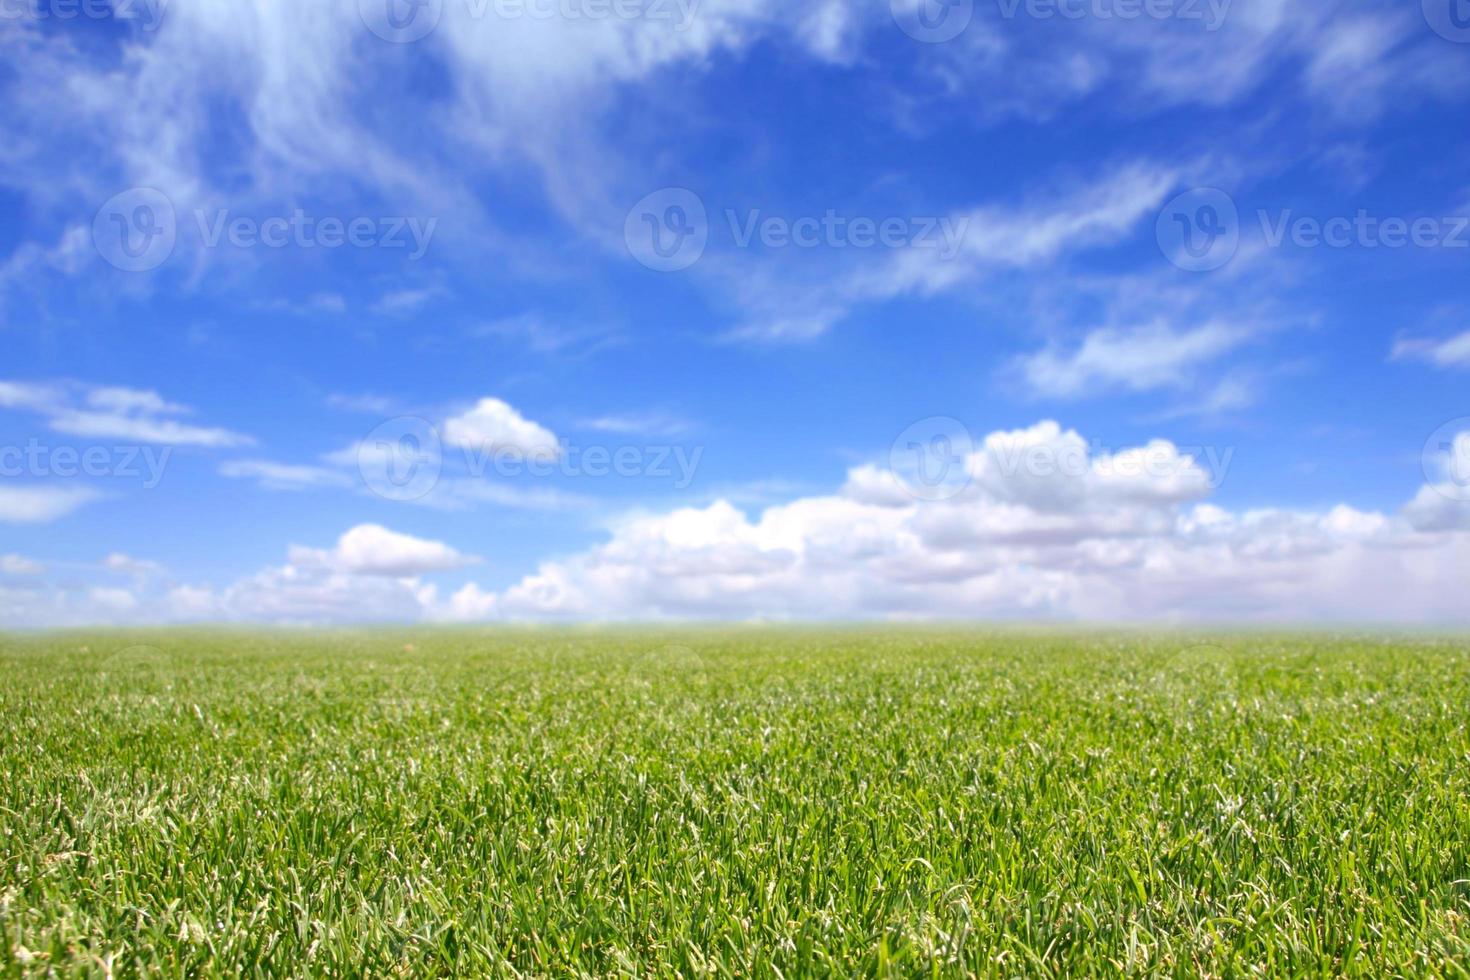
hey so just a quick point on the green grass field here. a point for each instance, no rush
(743, 802)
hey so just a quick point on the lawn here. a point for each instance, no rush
(752, 802)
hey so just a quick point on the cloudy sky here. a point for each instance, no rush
(478, 310)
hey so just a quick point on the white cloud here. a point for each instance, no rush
(801, 297)
(370, 549)
(41, 504)
(136, 428)
(469, 604)
(1330, 54)
(1449, 352)
(188, 602)
(110, 412)
(1444, 504)
(284, 476)
(540, 95)
(493, 427)
(371, 575)
(1138, 359)
(19, 565)
(127, 565)
(468, 492)
(24, 265)
(32, 397)
(113, 600)
(830, 30)
(1048, 527)
(124, 401)
(401, 301)
(647, 424)
(541, 336)
(367, 404)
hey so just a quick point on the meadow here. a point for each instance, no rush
(751, 802)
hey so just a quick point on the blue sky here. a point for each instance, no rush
(249, 249)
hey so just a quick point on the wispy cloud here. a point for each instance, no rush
(1144, 358)
(1446, 352)
(653, 424)
(109, 412)
(41, 504)
(794, 303)
(285, 476)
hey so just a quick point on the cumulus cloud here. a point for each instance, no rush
(113, 600)
(1047, 526)
(494, 427)
(371, 549)
(1444, 503)
(1043, 525)
(372, 574)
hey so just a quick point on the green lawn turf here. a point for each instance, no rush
(738, 802)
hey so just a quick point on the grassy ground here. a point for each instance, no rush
(744, 803)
